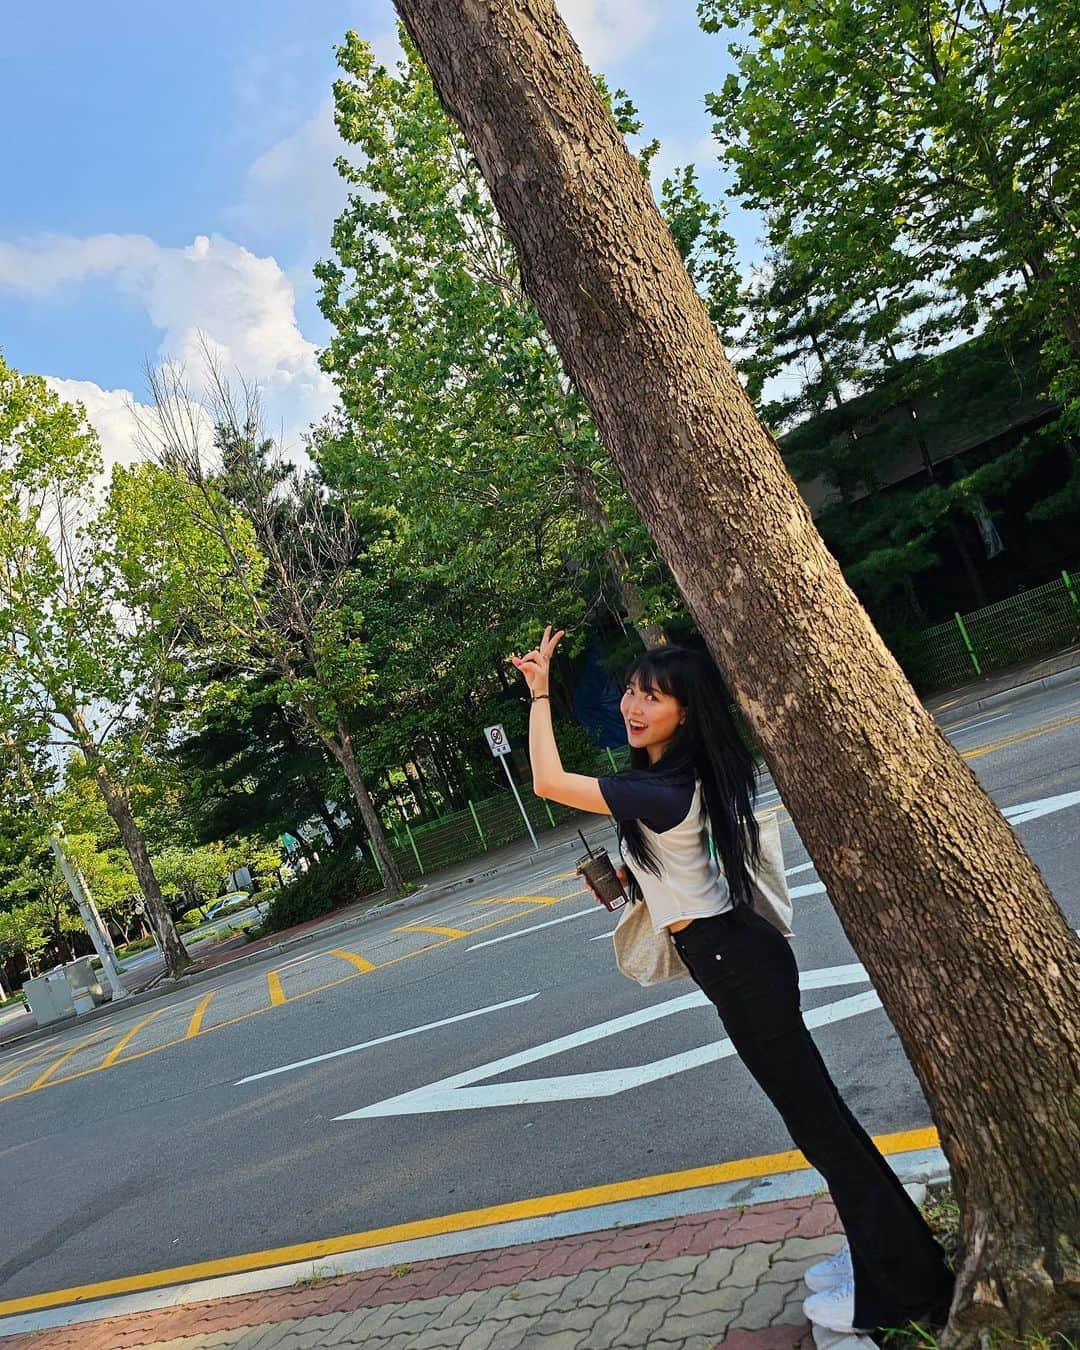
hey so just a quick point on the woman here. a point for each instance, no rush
(688, 763)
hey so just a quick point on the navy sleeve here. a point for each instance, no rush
(659, 803)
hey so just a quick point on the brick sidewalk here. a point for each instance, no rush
(730, 1278)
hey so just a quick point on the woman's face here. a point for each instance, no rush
(652, 718)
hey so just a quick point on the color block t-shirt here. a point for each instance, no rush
(671, 812)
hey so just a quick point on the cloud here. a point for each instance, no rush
(608, 30)
(111, 412)
(294, 184)
(244, 306)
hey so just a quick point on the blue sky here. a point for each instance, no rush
(169, 173)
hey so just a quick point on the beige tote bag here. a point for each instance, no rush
(648, 957)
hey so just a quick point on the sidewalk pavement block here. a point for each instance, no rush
(729, 1278)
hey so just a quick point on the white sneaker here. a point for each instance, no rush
(834, 1269)
(833, 1309)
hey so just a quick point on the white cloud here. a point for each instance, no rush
(608, 30)
(111, 413)
(294, 184)
(212, 288)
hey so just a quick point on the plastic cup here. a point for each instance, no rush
(598, 871)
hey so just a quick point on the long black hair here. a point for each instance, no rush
(708, 744)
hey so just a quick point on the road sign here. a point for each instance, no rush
(497, 740)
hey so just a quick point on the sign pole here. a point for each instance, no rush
(521, 804)
(499, 745)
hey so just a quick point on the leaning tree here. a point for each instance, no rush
(974, 961)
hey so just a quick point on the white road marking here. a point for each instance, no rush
(535, 928)
(1044, 806)
(813, 888)
(802, 867)
(984, 723)
(457, 1092)
(382, 1040)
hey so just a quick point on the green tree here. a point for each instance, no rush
(77, 666)
(922, 145)
(290, 556)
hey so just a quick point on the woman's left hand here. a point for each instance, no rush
(535, 665)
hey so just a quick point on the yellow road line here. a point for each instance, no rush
(114, 1053)
(1017, 737)
(258, 1012)
(360, 962)
(432, 928)
(273, 984)
(520, 900)
(541, 1206)
(25, 1063)
(195, 1025)
(42, 1078)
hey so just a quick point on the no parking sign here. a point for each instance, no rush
(497, 740)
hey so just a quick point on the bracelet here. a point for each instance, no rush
(534, 697)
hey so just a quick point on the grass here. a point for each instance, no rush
(943, 1215)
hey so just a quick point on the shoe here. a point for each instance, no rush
(834, 1269)
(833, 1309)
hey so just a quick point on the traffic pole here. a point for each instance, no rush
(521, 804)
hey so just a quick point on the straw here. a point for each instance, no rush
(588, 849)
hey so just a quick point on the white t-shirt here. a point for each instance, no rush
(671, 812)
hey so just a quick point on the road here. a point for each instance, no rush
(471, 1052)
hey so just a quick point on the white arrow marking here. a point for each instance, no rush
(1045, 806)
(457, 1092)
(382, 1040)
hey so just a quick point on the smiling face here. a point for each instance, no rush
(652, 717)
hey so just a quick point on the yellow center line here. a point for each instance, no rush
(361, 964)
(432, 928)
(273, 984)
(533, 1207)
(195, 1025)
(519, 900)
(41, 1079)
(1019, 736)
(114, 1053)
(258, 1012)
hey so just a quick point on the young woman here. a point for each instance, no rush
(688, 763)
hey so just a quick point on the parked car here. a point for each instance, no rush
(231, 901)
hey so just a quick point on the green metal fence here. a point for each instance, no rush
(1034, 623)
(485, 825)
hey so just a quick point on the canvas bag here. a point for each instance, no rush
(648, 957)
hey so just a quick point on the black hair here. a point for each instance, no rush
(708, 743)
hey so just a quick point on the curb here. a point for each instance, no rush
(1056, 680)
(921, 1167)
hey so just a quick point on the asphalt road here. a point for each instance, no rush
(477, 1050)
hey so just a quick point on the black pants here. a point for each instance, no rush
(748, 971)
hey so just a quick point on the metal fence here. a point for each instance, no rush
(485, 825)
(1034, 623)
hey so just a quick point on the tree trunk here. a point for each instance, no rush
(119, 809)
(973, 960)
(346, 755)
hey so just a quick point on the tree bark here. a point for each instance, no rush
(119, 809)
(973, 960)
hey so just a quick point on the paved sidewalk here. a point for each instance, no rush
(730, 1278)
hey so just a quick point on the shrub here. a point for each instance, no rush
(334, 881)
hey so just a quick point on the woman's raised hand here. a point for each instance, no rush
(535, 665)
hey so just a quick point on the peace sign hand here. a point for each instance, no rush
(535, 665)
